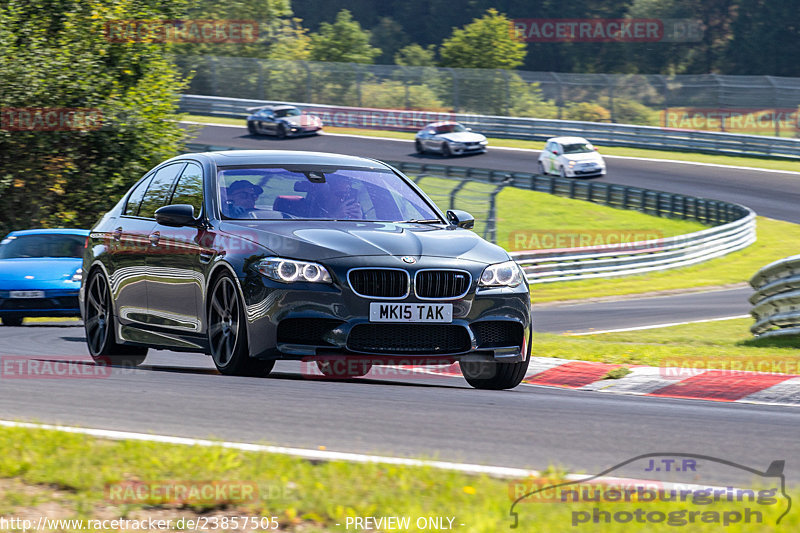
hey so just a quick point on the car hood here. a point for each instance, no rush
(463, 137)
(320, 240)
(42, 269)
(583, 157)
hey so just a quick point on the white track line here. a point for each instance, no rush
(492, 148)
(655, 326)
(323, 455)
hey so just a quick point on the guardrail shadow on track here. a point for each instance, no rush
(734, 225)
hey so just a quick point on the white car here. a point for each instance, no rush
(571, 157)
(449, 138)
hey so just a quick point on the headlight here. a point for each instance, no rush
(78, 275)
(289, 270)
(457, 145)
(506, 274)
(571, 164)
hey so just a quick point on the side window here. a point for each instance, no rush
(189, 189)
(159, 191)
(135, 198)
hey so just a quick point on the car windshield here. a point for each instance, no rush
(313, 193)
(450, 128)
(578, 148)
(41, 245)
(291, 112)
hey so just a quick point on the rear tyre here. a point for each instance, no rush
(344, 368)
(418, 147)
(446, 150)
(99, 327)
(13, 321)
(227, 333)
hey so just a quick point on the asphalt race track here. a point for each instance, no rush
(406, 415)
(419, 415)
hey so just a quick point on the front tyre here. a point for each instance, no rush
(494, 376)
(13, 321)
(446, 150)
(99, 327)
(227, 333)
(281, 131)
(418, 147)
(541, 169)
(251, 128)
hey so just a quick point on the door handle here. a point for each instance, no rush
(154, 237)
(117, 235)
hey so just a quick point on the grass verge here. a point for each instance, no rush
(70, 476)
(528, 219)
(741, 161)
(776, 239)
(725, 344)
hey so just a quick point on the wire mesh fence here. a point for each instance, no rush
(765, 105)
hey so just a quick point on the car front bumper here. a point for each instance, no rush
(62, 303)
(298, 322)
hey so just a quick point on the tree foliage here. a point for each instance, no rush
(55, 54)
(487, 42)
(344, 41)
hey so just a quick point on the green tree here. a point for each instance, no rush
(415, 55)
(487, 42)
(344, 41)
(57, 54)
(388, 36)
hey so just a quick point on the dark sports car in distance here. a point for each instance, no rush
(40, 274)
(282, 121)
(258, 256)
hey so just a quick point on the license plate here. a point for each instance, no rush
(390, 312)
(26, 294)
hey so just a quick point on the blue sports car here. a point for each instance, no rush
(40, 273)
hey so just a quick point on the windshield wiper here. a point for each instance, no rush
(422, 221)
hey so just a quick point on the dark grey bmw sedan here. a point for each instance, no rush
(258, 256)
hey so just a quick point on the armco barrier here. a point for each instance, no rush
(734, 224)
(776, 302)
(518, 128)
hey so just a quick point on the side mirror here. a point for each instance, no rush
(469, 129)
(459, 218)
(177, 215)
(555, 152)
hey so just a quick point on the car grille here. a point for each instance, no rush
(379, 283)
(416, 339)
(309, 331)
(498, 333)
(441, 283)
(22, 304)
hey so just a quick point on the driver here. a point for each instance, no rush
(241, 201)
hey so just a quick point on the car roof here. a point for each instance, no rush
(567, 140)
(56, 231)
(277, 107)
(282, 157)
(442, 123)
